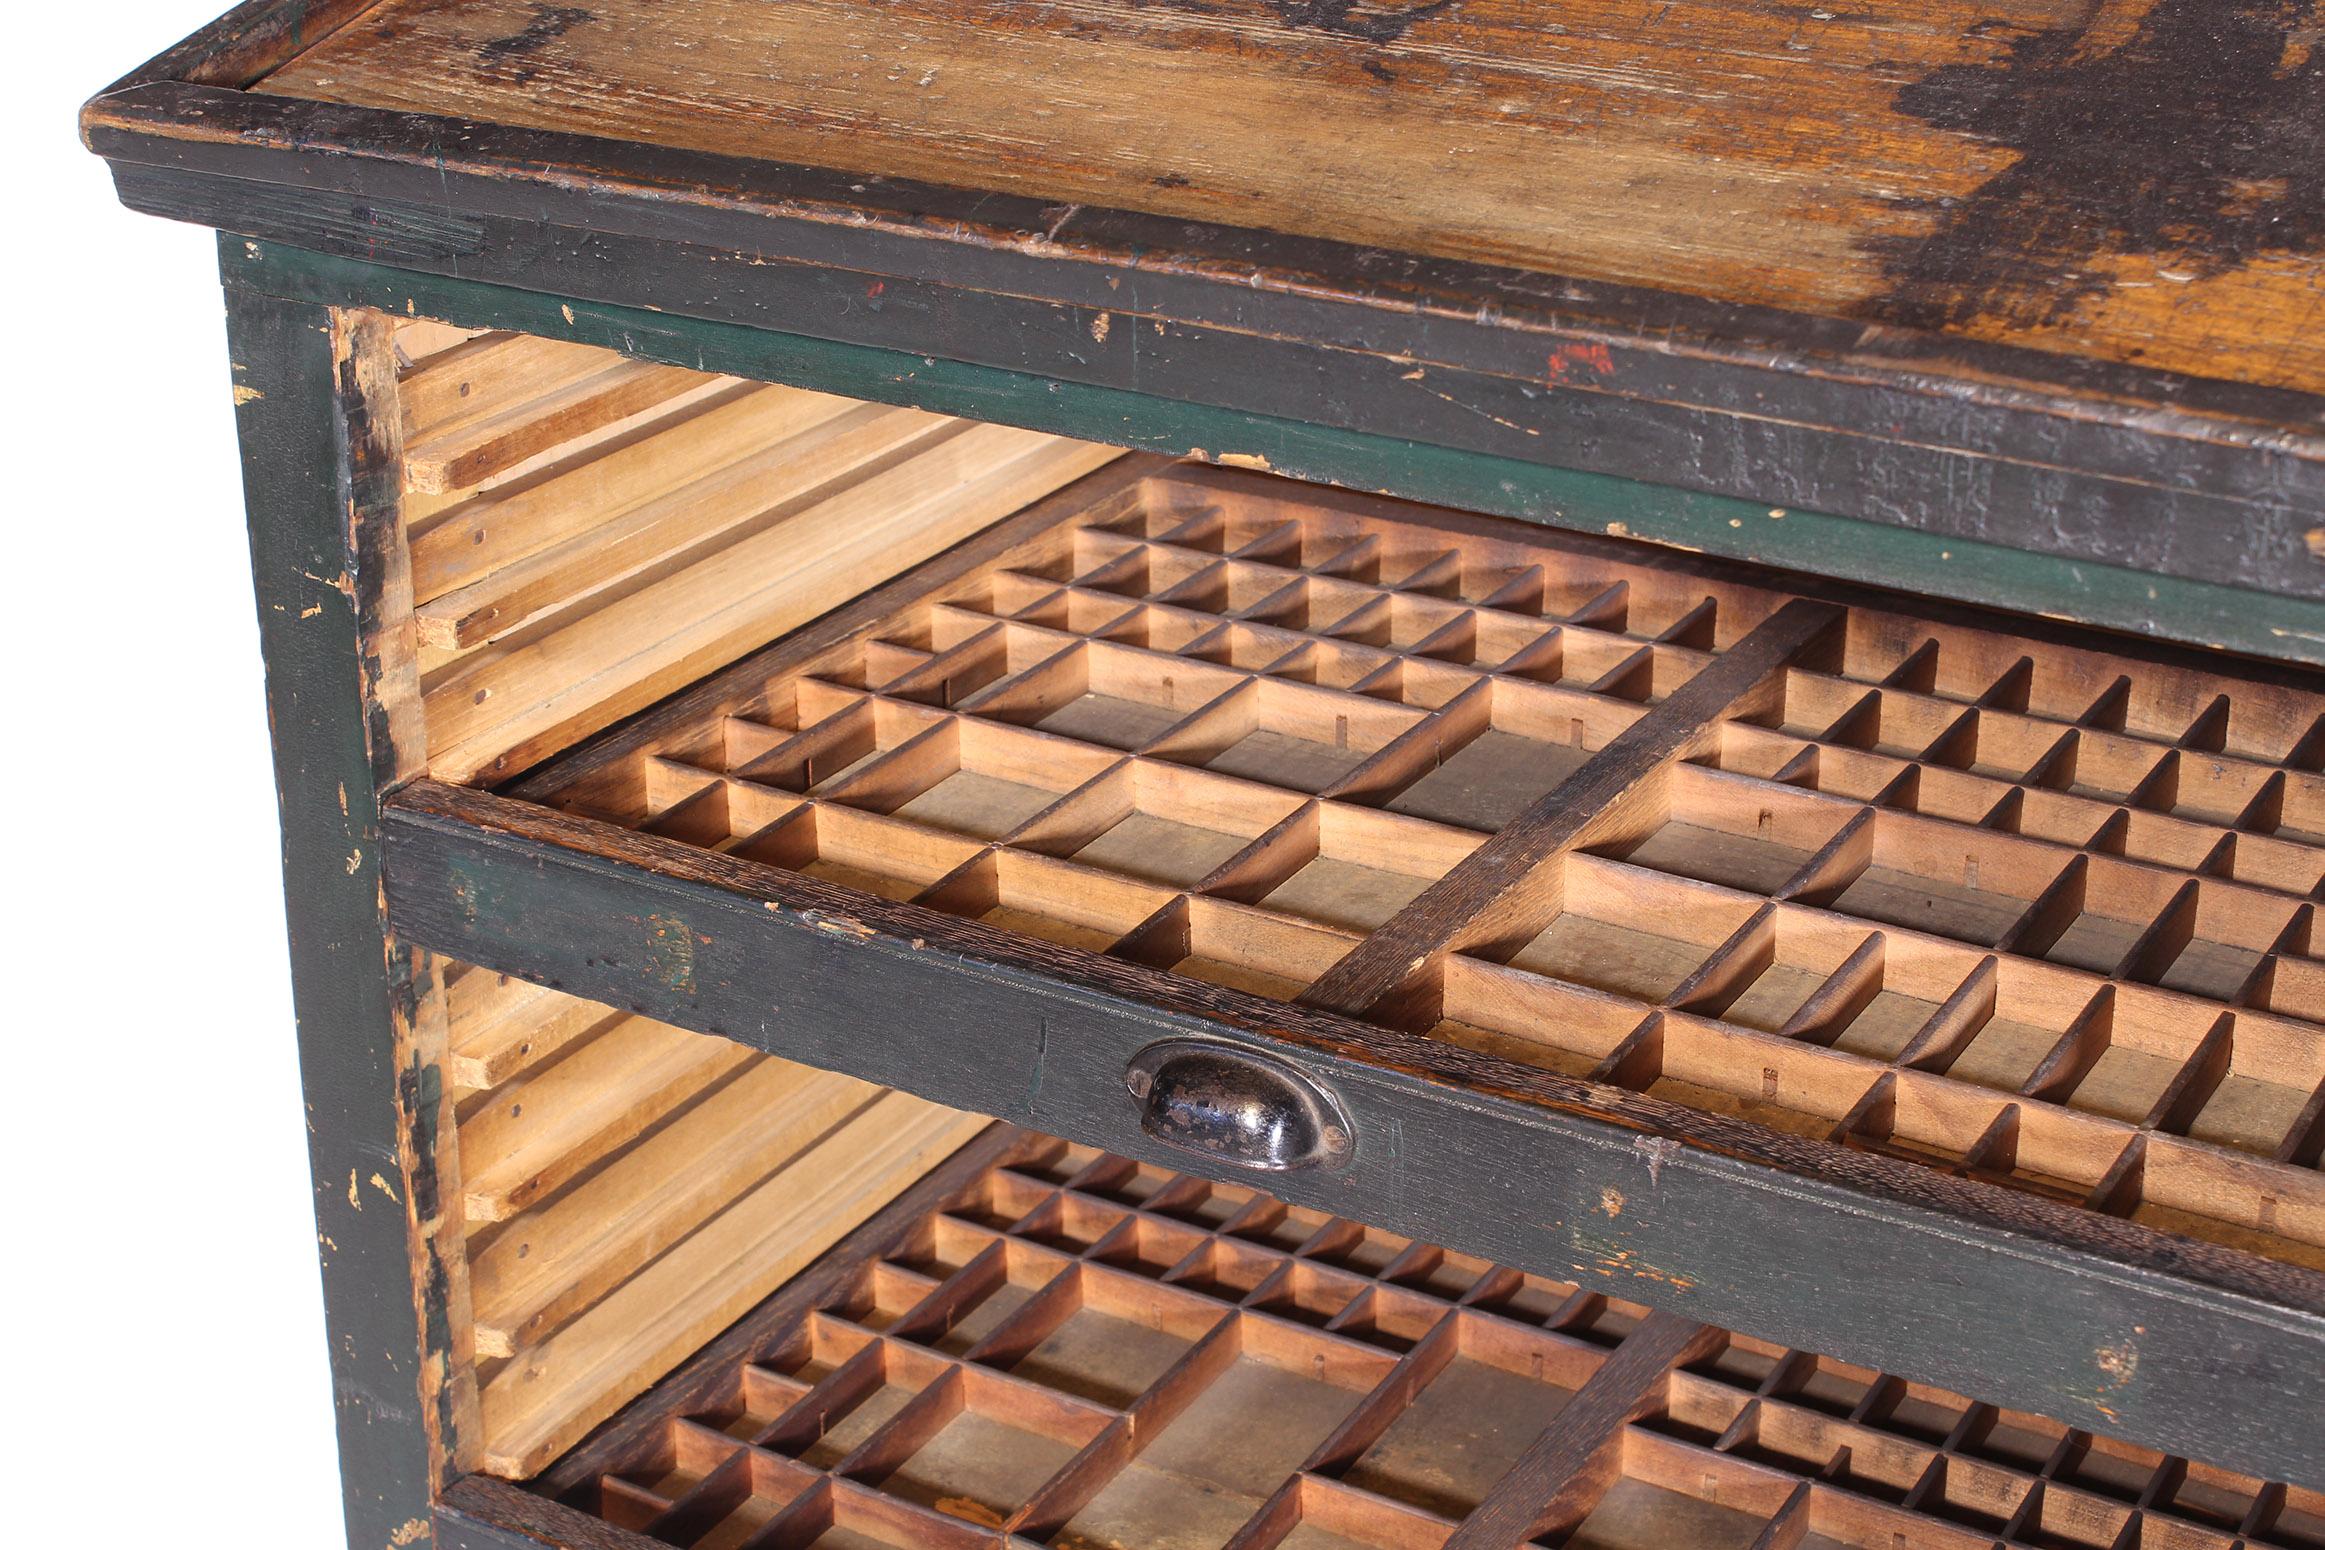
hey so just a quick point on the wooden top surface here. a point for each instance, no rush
(2140, 182)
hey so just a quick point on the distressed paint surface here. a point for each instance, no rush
(2134, 181)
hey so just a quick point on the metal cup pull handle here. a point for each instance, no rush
(1237, 1106)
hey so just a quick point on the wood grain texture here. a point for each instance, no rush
(707, 1369)
(551, 1394)
(627, 1185)
(572, 1250)
(2034, 478)
(478, 1512)
(2136, 183)
(1588, 1436)
(1478, 897)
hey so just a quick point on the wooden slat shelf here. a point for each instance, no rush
(628, 1188)
(1078, 1350)
(586, 533)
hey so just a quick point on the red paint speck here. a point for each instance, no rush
(1569, 361)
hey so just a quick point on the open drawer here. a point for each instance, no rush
(1937, 993)
(1039, 1344)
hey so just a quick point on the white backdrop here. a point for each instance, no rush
(165, 1337)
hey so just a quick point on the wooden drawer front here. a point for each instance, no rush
(1046, 1345)
(1669, 901)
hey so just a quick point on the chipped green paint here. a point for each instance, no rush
(670, 952)
(477, 898)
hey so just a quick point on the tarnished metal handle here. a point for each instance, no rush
(1238, 1106)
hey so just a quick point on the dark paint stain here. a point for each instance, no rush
(1345, 18)
(2198, 142)
(504, 57)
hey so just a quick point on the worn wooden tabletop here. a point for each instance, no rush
(2135, 181)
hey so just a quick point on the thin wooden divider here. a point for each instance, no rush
(469, 379)
(554, 1392)
(586, 532)
(464, 544)
(506, 702)
(828, 440)
(504, 1026)
(570, 1251)
(1484, 897)
(528, 1137)
(1569, 1467)
(462, 455)
(598, 1151)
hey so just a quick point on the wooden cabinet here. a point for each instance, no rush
(1016, 816)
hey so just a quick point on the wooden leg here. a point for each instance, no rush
(320, 477)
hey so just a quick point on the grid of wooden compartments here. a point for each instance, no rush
(2012, 909)
(1071, 1349)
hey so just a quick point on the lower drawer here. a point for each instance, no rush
(1042, 1344)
